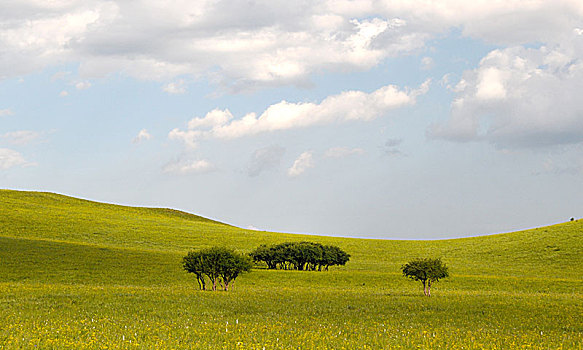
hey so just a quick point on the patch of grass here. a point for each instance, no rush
(79, 274)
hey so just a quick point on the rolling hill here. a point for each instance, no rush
(63, 258)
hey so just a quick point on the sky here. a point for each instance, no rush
(379, 119)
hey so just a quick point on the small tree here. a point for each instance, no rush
(219, 265)
(425, 270)
(333, 255)
(231, 265)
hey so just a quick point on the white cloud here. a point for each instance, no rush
(520, 97)
(21, 137)
(243, 45)
(490, 84)
(189, 137)
(247, 45)
(64, 93)
(5, 112)
(211, 119)
(10, 158)
(346, 106)
(341, 152)
(175, 88)
(301, 164)
(189, 167)
(82, 85)
(35, 35)
(143, 135)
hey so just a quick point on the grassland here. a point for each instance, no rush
(80, 274)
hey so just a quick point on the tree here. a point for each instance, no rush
(332, 255)
(305, 255)
(265, 254)
(299, 256)
(220, 265)
(231, 265)
(425, 270)
(193, 262)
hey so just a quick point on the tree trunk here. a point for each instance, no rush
(200, 280)
(429, 288)
(424, 287)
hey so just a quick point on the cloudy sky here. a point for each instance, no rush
(393, 119)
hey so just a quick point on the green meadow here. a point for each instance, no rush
(76, 274)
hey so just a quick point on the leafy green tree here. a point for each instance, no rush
(305, 255)
(231, 265)
(220, 265)
(425, 270)
(194, 263)
(265, 254)
(285, 255)
(332, 255)
(212, 260)
(300, 256)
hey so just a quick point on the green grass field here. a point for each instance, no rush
(78, 274)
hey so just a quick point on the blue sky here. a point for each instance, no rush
(393, 119)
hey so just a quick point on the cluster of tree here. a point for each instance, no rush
(219, 265)
(300, 256)
(425, 270)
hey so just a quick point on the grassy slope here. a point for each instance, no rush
(549, 251)
(90, 258)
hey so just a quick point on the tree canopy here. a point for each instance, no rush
(220, 265)
(300, 256)
(425, 270)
